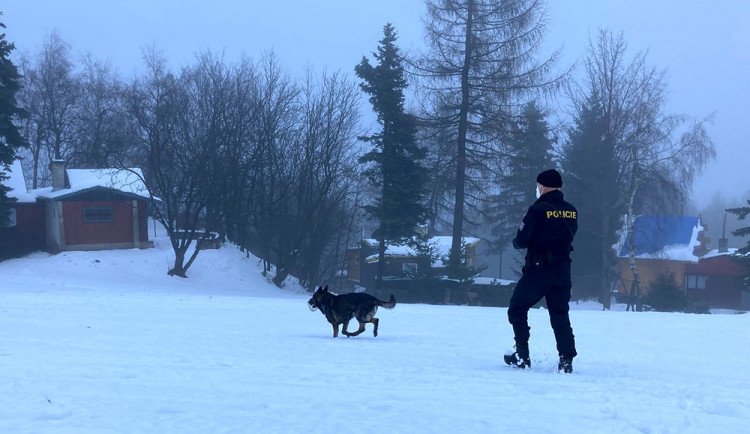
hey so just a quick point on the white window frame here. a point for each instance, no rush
(410, 267)
(12, 222)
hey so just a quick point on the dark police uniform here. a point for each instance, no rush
(547, 232)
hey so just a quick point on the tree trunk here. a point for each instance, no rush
(190, 261)
(458, 211)
(281, 274)
(636, 287)
(178, 268)
(500, 264)
(381, 264)
(605, 284)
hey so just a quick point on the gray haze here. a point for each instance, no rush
(703, 44)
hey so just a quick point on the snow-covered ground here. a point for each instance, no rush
(106, 342)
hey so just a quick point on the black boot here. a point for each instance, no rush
(565, 365)
(518, 360)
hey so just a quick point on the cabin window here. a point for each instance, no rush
(98, 214)
(693, 281)
(12, 218)
(409, 268)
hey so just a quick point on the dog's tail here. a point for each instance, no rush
(390, 304)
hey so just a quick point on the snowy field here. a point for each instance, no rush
(106, 342)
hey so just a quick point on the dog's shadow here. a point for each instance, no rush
(343, 338)
(326, 335)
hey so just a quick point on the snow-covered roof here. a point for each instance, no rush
(663, 237)
(715, 252)
(128, 181)
(492, 281)
(441, 245)
(17, 183)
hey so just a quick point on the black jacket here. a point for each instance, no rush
(548, 229)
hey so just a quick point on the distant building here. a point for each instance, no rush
(402, 261)
(84, 209)
(418, 278)
(679, 245)
(717, 281)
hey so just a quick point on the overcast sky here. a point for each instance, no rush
(704, 45)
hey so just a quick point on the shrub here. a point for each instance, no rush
(665, 295)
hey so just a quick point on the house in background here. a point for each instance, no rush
(717, 281)
(415, 278)
(85, 209)
(679, 245)
(403, 261)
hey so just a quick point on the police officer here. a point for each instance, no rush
(546, 233)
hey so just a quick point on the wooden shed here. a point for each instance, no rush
(85, 209)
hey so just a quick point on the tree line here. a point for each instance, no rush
(282, 168)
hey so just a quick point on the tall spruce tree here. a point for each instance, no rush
(591, 183)
(10, 138)
(529, 149)
(742, 256)
(395, 156)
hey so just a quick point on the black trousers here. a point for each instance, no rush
(553, 284)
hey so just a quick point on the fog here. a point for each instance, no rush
(703, 45)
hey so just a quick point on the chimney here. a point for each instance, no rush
(702, 248)
(723, 241)
(58, 174)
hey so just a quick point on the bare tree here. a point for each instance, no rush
(300, 178)
(326, 179)
(179, 125)
(663, 151)
(31, 126)
(59, 92)
(49, 96)
(101, 131)
(273, 155)
(235, 170)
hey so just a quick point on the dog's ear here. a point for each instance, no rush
(326, 288)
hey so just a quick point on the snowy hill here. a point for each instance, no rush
(106, 342)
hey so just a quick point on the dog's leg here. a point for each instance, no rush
(335, 330)
(375, 321)
(343, 330)
(359, 330)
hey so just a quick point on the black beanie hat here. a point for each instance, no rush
(550, 178)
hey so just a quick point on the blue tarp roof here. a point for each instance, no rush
(653, 233)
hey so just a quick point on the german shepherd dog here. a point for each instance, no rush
(339, 309)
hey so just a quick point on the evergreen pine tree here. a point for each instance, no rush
(665, 295)
(10, 138)
(591, 184)
(529, 152)
(742, 256)
(395, 156)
